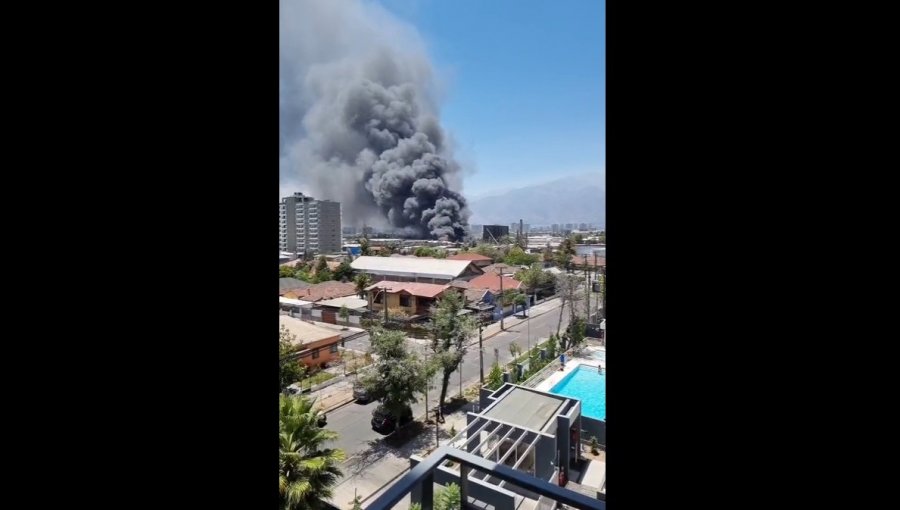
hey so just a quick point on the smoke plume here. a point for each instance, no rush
(359, 123)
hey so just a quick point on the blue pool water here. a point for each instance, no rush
(601, 355)
(587, 385)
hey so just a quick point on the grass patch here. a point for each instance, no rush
(316, 378)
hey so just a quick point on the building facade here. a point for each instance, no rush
(309, 225)
(493, 233)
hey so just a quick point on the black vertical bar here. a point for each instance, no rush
(428, 491)
(463, 486)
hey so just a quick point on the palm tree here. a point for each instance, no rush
(307, 472)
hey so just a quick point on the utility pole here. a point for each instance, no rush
(500, 273)
(480, 353)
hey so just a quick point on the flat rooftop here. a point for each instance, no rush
(306, 332)
(525, 408)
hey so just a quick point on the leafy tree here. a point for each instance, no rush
(517, 257)
(344, 313)
(321, 264)
(398, 374)
(495, 377)
(323, 276)
(290, 370)
(285, 272)
(364, 246)
(427, 251)
(307, 472)
(344, 272)
(565, 252)
(579, 239)
(532, 278)
(415, 506)
(567, 287)
(450, 333)
(488, 251)
(362, 281)
(448, 498)
(552, 346)
(577, 329)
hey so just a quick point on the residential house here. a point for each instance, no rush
(330, 309)
(319, 345)
(414, 299)
(416, 269)
(492, 282)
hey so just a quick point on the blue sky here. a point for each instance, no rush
(524, 85)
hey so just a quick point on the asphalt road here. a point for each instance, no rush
(352, 422)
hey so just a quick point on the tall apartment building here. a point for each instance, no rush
(309, 225)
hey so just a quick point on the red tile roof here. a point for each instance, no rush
(427, 290)
(492, 282)
(468, 256)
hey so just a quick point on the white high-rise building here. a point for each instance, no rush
(309, 225)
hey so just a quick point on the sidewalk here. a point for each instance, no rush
(372, 473)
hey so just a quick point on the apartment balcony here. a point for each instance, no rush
(420, 482)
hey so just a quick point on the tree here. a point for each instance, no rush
(448, 498)
(576, 332)
(565, 252)
(552, 346)
(307, 471)
(579, 239)
(450, 333)
(321, 264)
(364, 246)
(398, 374)
(495, 377)
(323, 275)
(567, 287)
(362, 281)
(344, 272)
(344, 313)
(285, 272)
(532, 278)
(488, 251)
(290, 369)
(517, 257)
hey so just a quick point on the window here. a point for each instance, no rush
(405, 300)
(315, 353)
(334, 347)
(378, 297)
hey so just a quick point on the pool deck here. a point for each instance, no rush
(572, 364)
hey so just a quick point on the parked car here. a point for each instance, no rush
(385, 423)
(360, 394)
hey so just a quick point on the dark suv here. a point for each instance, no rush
(360, 394)
(385, 423)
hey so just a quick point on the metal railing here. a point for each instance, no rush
(422, 477)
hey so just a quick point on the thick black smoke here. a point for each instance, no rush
(357, 121)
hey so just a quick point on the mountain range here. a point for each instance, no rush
(575, 199)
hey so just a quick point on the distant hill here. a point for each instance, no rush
(577, 199)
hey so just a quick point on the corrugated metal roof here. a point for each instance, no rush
(306, 332)
(413, 266)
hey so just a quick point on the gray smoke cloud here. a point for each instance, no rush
(359, 122)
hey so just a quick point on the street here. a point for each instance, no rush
(352, 422)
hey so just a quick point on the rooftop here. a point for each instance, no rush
(526, 408)
(469, 256)
(324, 290)
(492, 282)
(428, 290)
(306, 332)
(288, 284)
(351, 302)
(413, 266)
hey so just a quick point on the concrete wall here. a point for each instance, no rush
(593, 427)
(500, 499)
(544, 457)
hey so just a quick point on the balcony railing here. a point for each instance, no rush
(421, 478)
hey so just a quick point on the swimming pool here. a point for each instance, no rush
(587, 385)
